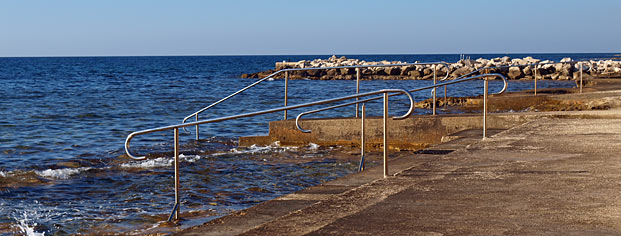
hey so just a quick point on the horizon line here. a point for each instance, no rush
(319, 54)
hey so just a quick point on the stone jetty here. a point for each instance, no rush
(566, 69)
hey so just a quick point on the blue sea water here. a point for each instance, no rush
(64, 121)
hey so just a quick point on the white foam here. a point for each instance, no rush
(160, 162)
(61, 173)
(3, 174)
(191, 158)
(313, 146)
(27, 229)
(157, 162)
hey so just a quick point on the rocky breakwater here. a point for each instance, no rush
(516, 68)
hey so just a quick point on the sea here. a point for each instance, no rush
(64, 120)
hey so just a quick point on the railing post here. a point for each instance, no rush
(580, 77)
(385, 135)
(357, 89)
(362, 143)
(535, 79)
(197, 128)
(177, 198)
(434, 91)
(286, 90)
(485, 87)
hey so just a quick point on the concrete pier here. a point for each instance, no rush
(538, 173)
(556, 175)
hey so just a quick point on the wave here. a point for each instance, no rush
(152, 163)
(256, 149)
(27, 226)
(61, 173)
(159, 162)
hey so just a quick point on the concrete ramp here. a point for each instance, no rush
(558, 174)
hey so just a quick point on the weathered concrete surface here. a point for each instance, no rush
(413, 133)
(558, 175)
(421, 131)
(248, 219)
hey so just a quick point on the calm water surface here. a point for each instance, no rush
(64, 122)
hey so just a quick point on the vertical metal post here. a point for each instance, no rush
(197, 128)
(286, 90)
(362, 143)
(385, 135)
(485, 108)
(580, 77)
(434, 91)
(535, 80)
(357, 89)
(177, 198)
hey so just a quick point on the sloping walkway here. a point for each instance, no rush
(550, 176)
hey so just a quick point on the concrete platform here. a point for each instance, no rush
(558, 174)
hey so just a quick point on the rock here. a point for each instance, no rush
(563, 68)
(528, 70)
(427, 71)
(380, 71)
(462, 71)
(313, 73)
(566, 70)
(414, 74)
(531, 60)
(332, 72)
(517, 61)
(468, 62)
(392, 70)
(348, 71)
(515, 73)
(482, 61)
(405, 70)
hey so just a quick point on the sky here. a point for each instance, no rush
(310, 27)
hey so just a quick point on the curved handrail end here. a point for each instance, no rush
(129, 138)
(297, 123)
(407, 114)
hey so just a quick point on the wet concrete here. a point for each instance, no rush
(557, 174)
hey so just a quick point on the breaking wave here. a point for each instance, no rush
(61, 173)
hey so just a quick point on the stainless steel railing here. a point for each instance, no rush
(485, 76)
(286, 72)
(479, 70)
(176, 208)
(385, 124)
(579, 62)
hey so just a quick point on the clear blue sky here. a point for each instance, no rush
(234, 27)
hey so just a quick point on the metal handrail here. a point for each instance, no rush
(132, 135)
(176, 209)
(357, 67)
(385, 121)
(504, 88)
(580, 62)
